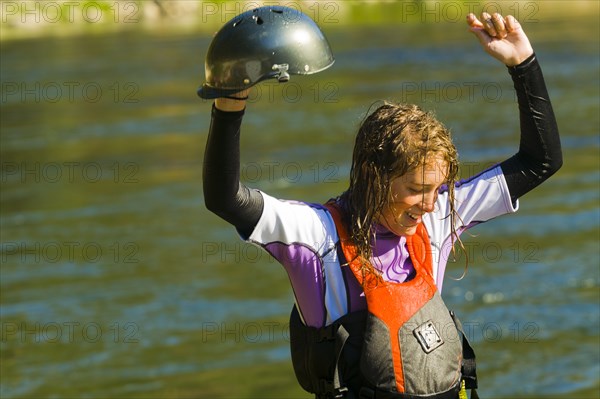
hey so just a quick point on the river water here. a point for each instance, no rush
(116, 282)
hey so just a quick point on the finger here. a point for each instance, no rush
(473, 21)
(478, 29)
(488, 25)
(512, 24)
(499, 26)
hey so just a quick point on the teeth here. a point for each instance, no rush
(412, 216)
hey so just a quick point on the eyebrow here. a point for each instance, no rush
(426, 185)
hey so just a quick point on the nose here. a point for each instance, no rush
(428, 202)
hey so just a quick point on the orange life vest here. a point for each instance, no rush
(411, 344)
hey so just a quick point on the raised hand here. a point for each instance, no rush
(502, 38)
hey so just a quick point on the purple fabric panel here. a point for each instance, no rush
(390, 256)
(304, 268)
(356, 296)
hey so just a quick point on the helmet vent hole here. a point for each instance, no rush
(236, 23)
(277, 11)
(259, 21)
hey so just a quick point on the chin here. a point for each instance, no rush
(410, 231)
(404, 231)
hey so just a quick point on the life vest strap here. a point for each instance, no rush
(368, 393)
(317, 352)
(469, 372)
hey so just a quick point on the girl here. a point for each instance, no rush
(403, 195)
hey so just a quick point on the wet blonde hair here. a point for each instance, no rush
(392, 141)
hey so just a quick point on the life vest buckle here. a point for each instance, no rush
(428, 336)
(340, 393)
(330, 391)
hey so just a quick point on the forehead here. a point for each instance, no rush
(433, 172)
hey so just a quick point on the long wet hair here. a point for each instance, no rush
(392, 141)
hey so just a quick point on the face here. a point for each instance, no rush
(413, 195)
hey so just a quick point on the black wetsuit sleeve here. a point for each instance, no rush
(540, 153)
(224, 194)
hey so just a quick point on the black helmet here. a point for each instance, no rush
(266, 42)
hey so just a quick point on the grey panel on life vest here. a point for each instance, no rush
(431, 350)
(376, 360)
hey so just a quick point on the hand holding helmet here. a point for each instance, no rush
(233, 103)
(263, 43)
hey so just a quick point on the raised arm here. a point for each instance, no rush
(540, 153)
(224, 194)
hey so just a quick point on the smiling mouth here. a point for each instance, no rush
(413, 216)
(413, 220)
